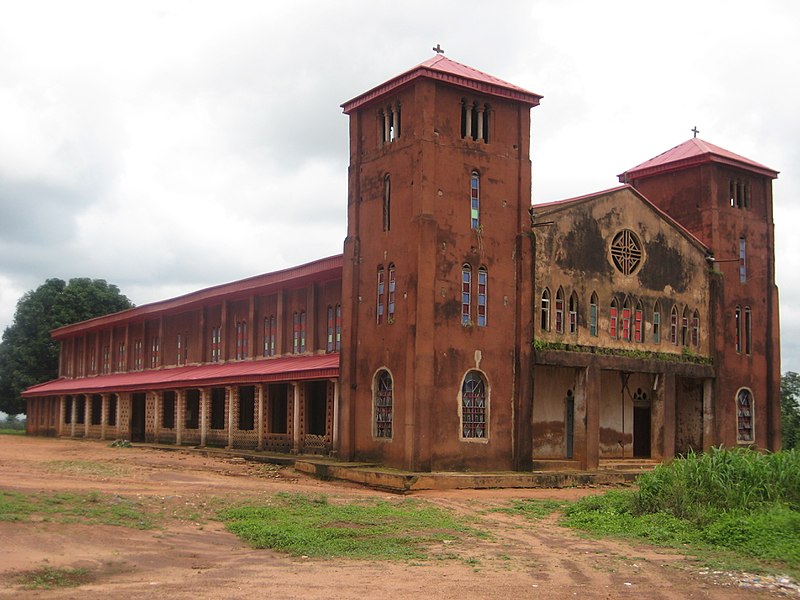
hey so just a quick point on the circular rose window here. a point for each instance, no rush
(626, 252)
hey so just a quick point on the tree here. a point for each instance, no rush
(790, 410)
(27, 353)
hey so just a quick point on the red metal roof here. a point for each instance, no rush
(691, 153)
(291, 368)
(441, 68)
(319, 270)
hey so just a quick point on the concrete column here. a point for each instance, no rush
(296, 418)
(480, 123)
(204, 394)
(87, 415)
(180, 419)
(231, 398)
(387, 123)
(73, 416)
(260, 416)
(708, 415)
(396, 121)
(103, 415)
(335, 408)
(593, 391)
(468, 120)
(579, 432)
(61, 414)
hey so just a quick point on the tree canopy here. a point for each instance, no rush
(790, 410)
(27, 353)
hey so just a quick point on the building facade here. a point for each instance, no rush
(464, 328)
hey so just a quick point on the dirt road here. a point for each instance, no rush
(193, 557)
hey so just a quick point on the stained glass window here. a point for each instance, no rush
(466, 294)
(383, 404)
(475, 201)
(483, 283)
(391, 294)
(381, 291)
(473, 406)
(744, 412)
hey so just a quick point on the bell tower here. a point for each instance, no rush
(726, 201)
(437, 272)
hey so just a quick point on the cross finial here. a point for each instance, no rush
(695, 130)
(438, 49)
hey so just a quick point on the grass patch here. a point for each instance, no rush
(372, 529)
(85, 468)
(531, 508)
(6, 431)
(68, 507)
(48, 578)
(734, 508)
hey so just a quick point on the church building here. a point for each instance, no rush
(463, 327)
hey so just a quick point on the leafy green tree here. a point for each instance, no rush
(27, 354)
(790, 410)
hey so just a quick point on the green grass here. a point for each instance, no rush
(372, 529)
(68, 507)
(6, 431)
(531, 508)
(734, 508)
(48, 578)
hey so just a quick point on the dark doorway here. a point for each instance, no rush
(218, 408)
(688, 416)
(137, 417)
(192, 415)
(570, 423)
(641, 431)
(278, 408)
(317, 402)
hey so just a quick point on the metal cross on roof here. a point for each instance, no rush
(438, 49)
(695, 130)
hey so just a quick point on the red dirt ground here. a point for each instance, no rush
(197, 560)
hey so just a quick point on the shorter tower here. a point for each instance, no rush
(726, 201)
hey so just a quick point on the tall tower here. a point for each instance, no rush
(726, 201)
(437, 272)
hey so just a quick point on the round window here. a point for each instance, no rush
(626, 252)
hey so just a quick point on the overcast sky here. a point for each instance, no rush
(168, 146)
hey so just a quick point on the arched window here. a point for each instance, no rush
(744, 416)
(387, 203)
(475, 200)
(613, 316)
(380, 292)
(742, 260)
(270, 332)
(483, 284)
(573, 313)
(383, 399)
(673, 326)
(241, 340)
(738, 328)
(638, 322)
(391, 295)
(748, 330)
(625, 328)
(657, 322)
(475, 120)
(466, 294)
(296, 332)
(473, 406)
(696, 329)
(544, 309)
(560, 310)
(685, 326)
(593, 314)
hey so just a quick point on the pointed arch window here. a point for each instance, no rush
(387, 203)
(748, 330)
(685, 326)
(613, 316)
(560, 310)
(474, 406)
(593, 314)
(466, 294)
(673, 326)
(383, 407)
(573, 313)
(744, 416)
(738, 328)
(390, 304)
(657, 323)
(696, 329)
(380, 296)
(638, 323)
(544, 310)
(483, 283)
(475, 200)
(625, 327)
